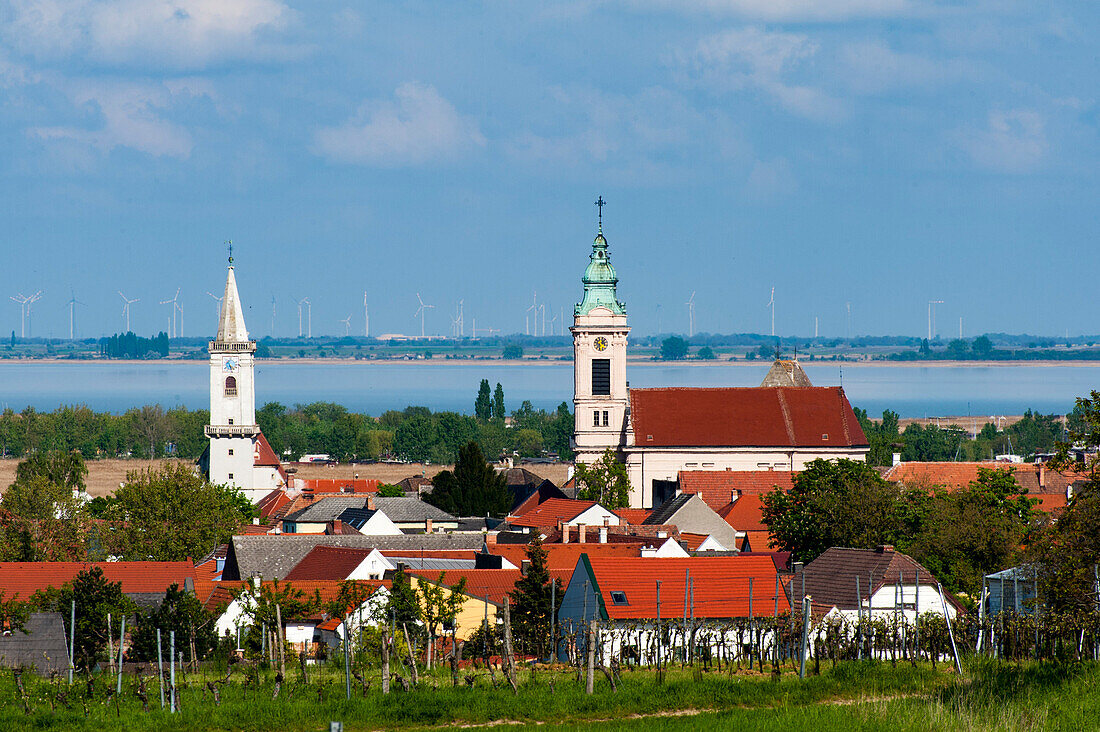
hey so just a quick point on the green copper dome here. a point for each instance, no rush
(599, 281)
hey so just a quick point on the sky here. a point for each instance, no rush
(871, 154)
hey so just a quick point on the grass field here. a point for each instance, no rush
(864, 696)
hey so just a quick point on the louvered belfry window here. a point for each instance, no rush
(230, 386)
(601, 376)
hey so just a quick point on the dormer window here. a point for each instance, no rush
(618, 598)
(231, 386)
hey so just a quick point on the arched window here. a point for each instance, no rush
(231, 386)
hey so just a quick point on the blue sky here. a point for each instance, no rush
(882, 153)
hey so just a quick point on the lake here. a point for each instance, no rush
(912, 391)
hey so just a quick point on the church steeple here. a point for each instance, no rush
(231, 328)
(599, 279)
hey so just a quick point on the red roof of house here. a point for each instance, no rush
(816, 416)
(327, 590)
(564, 556)
(690, 541)
(272, 502)
(262, 454)
(756, 541)
(1034, 477)
(336, 485)
(551, 511)
(635, 516)
(717, 487)
(491, 584)
(721, 586)
(328, 563)
(23, 579)
(253, 530)
(745, 514)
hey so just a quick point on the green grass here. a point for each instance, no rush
(861, 696)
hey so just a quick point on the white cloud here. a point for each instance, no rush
(872, 67)
(1013, 141)
(752, 58)
(185, 34)
(128, 116)
(417, 127)
(785, 10)
(770, 179)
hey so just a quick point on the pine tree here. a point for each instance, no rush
(473, 488)
(498, 403)
(483, 407)
(531, 606)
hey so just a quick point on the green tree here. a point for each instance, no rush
(95, 598)
(179, 611)
(416, 438)
(958, 349)
(171, 514)
(531, 606)
(388, 490)
(59, 468)
(882, 436)
(483, 405)
(528, 442)
(674, 348)
(982, 347)
(843, 503)
(498, 403)
(265, 604)
(512, 351)
(706, 353)
(605, 481)
(403, 605)
(473, 488)
(439, 606)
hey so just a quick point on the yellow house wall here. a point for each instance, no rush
(470, 616)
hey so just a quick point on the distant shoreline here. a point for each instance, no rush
(554, 362)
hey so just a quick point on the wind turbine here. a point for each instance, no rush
(658, 317)
(25, 309)
(527, 314)
(691, 314)
(848, 327)
(553, 320)
(272, 316)
(217, 304)
(305, 301)
(366, 316)
(72, 303)
(174, 302)
(932, 317)
(458, 322)
(421, 312)
(347, 325)
(771, 304)
(126, 308)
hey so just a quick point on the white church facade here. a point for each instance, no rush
(238, 454)
(659, 432)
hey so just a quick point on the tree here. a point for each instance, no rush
(512, 351)
(171, 514)
(843, 503)
(605, 481)
(403, 605)
(674, 348)
(531, 607)
(498, 403)
(416, 438)
(982, 347)
(473, 488)
(65, 469)
(439, 606)
(958, 349)
(483, 405)
(263, 605)
(95, 598)
(179, 611)
(706, 353)
(388, 490)
(881, 436)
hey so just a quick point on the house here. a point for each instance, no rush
(528, 490)
(415, 485)
(1053, 489)
(557, 511)
(41, 645)
(689, 512)
(356, 510)
(881, 581)
(341, 563)
(635, 593)
(413, 515)
(274, 556)
(565, 556)
(143, 582)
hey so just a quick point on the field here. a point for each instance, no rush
(105, 475)
(856, 695)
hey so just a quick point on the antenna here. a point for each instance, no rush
(174, 301)
(848, 327)
(347, 325)
(691, 314)
(771, 304)
(126, 308)
(421, 311)
(932, 317)
(72, 303)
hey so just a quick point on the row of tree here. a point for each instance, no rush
(129, 345)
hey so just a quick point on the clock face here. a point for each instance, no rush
(230, 364)
(601, 344)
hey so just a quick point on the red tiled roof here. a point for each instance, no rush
(327, 590)
(23, 579)
(272, 502)
(564, 556)
(551, 511)
(817, 416)
(757, 541)
(1053, 503)
(431, 553)
(691, 541)
(745, 514)
(328, 563)
(721, 586)
(262, 454)
(1033, 477)
(717, 487)
(253, 530)
(633, 516)
(491, 584)
(336, 485)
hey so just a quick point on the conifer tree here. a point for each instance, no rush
(531, 606)
(483, 407)
(498, 403)
(473, 488)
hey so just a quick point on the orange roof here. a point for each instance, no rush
(328, 563)
(635, 516)
(951, 476)
(720, 586)
(564, 556)
(816, 416)
(757, 541)
(1050, 502)
(262, 454)
(490, 584)
(717, 487)
(272, 502)
(745, 514)
(337, 485)
(23, 579)
(253, 530)
(691, 541)
(327, 590)
(551, 511)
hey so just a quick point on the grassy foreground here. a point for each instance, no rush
(870, 696)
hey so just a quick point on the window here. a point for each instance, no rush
(605, 418)
(231, 476)
(601, 376)
(618, 598)
(231, 386)
(231, 451)
(230, 420)
(595, 418)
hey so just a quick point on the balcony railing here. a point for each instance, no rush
(231, 430)
(224, 347)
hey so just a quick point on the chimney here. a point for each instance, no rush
(1042, 475)
(370, 504)
(565, 533)
(603, 532)
(427, 526)
(734, 495)
(897, 458)
(649, 551)
(580, 531)
(337, 527)
(883, 548)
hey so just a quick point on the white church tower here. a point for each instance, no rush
(599, 358)
(232, 429)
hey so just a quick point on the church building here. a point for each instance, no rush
(238, 454)
(780, 425)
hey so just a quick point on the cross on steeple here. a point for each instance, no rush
(600, 203)
(229, 244)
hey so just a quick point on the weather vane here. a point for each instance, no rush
(230, 245)
(600, 203)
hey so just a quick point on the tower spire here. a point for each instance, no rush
(600, 203)
(229, 244)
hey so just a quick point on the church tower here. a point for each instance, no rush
(599, 358)
(232, 429)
